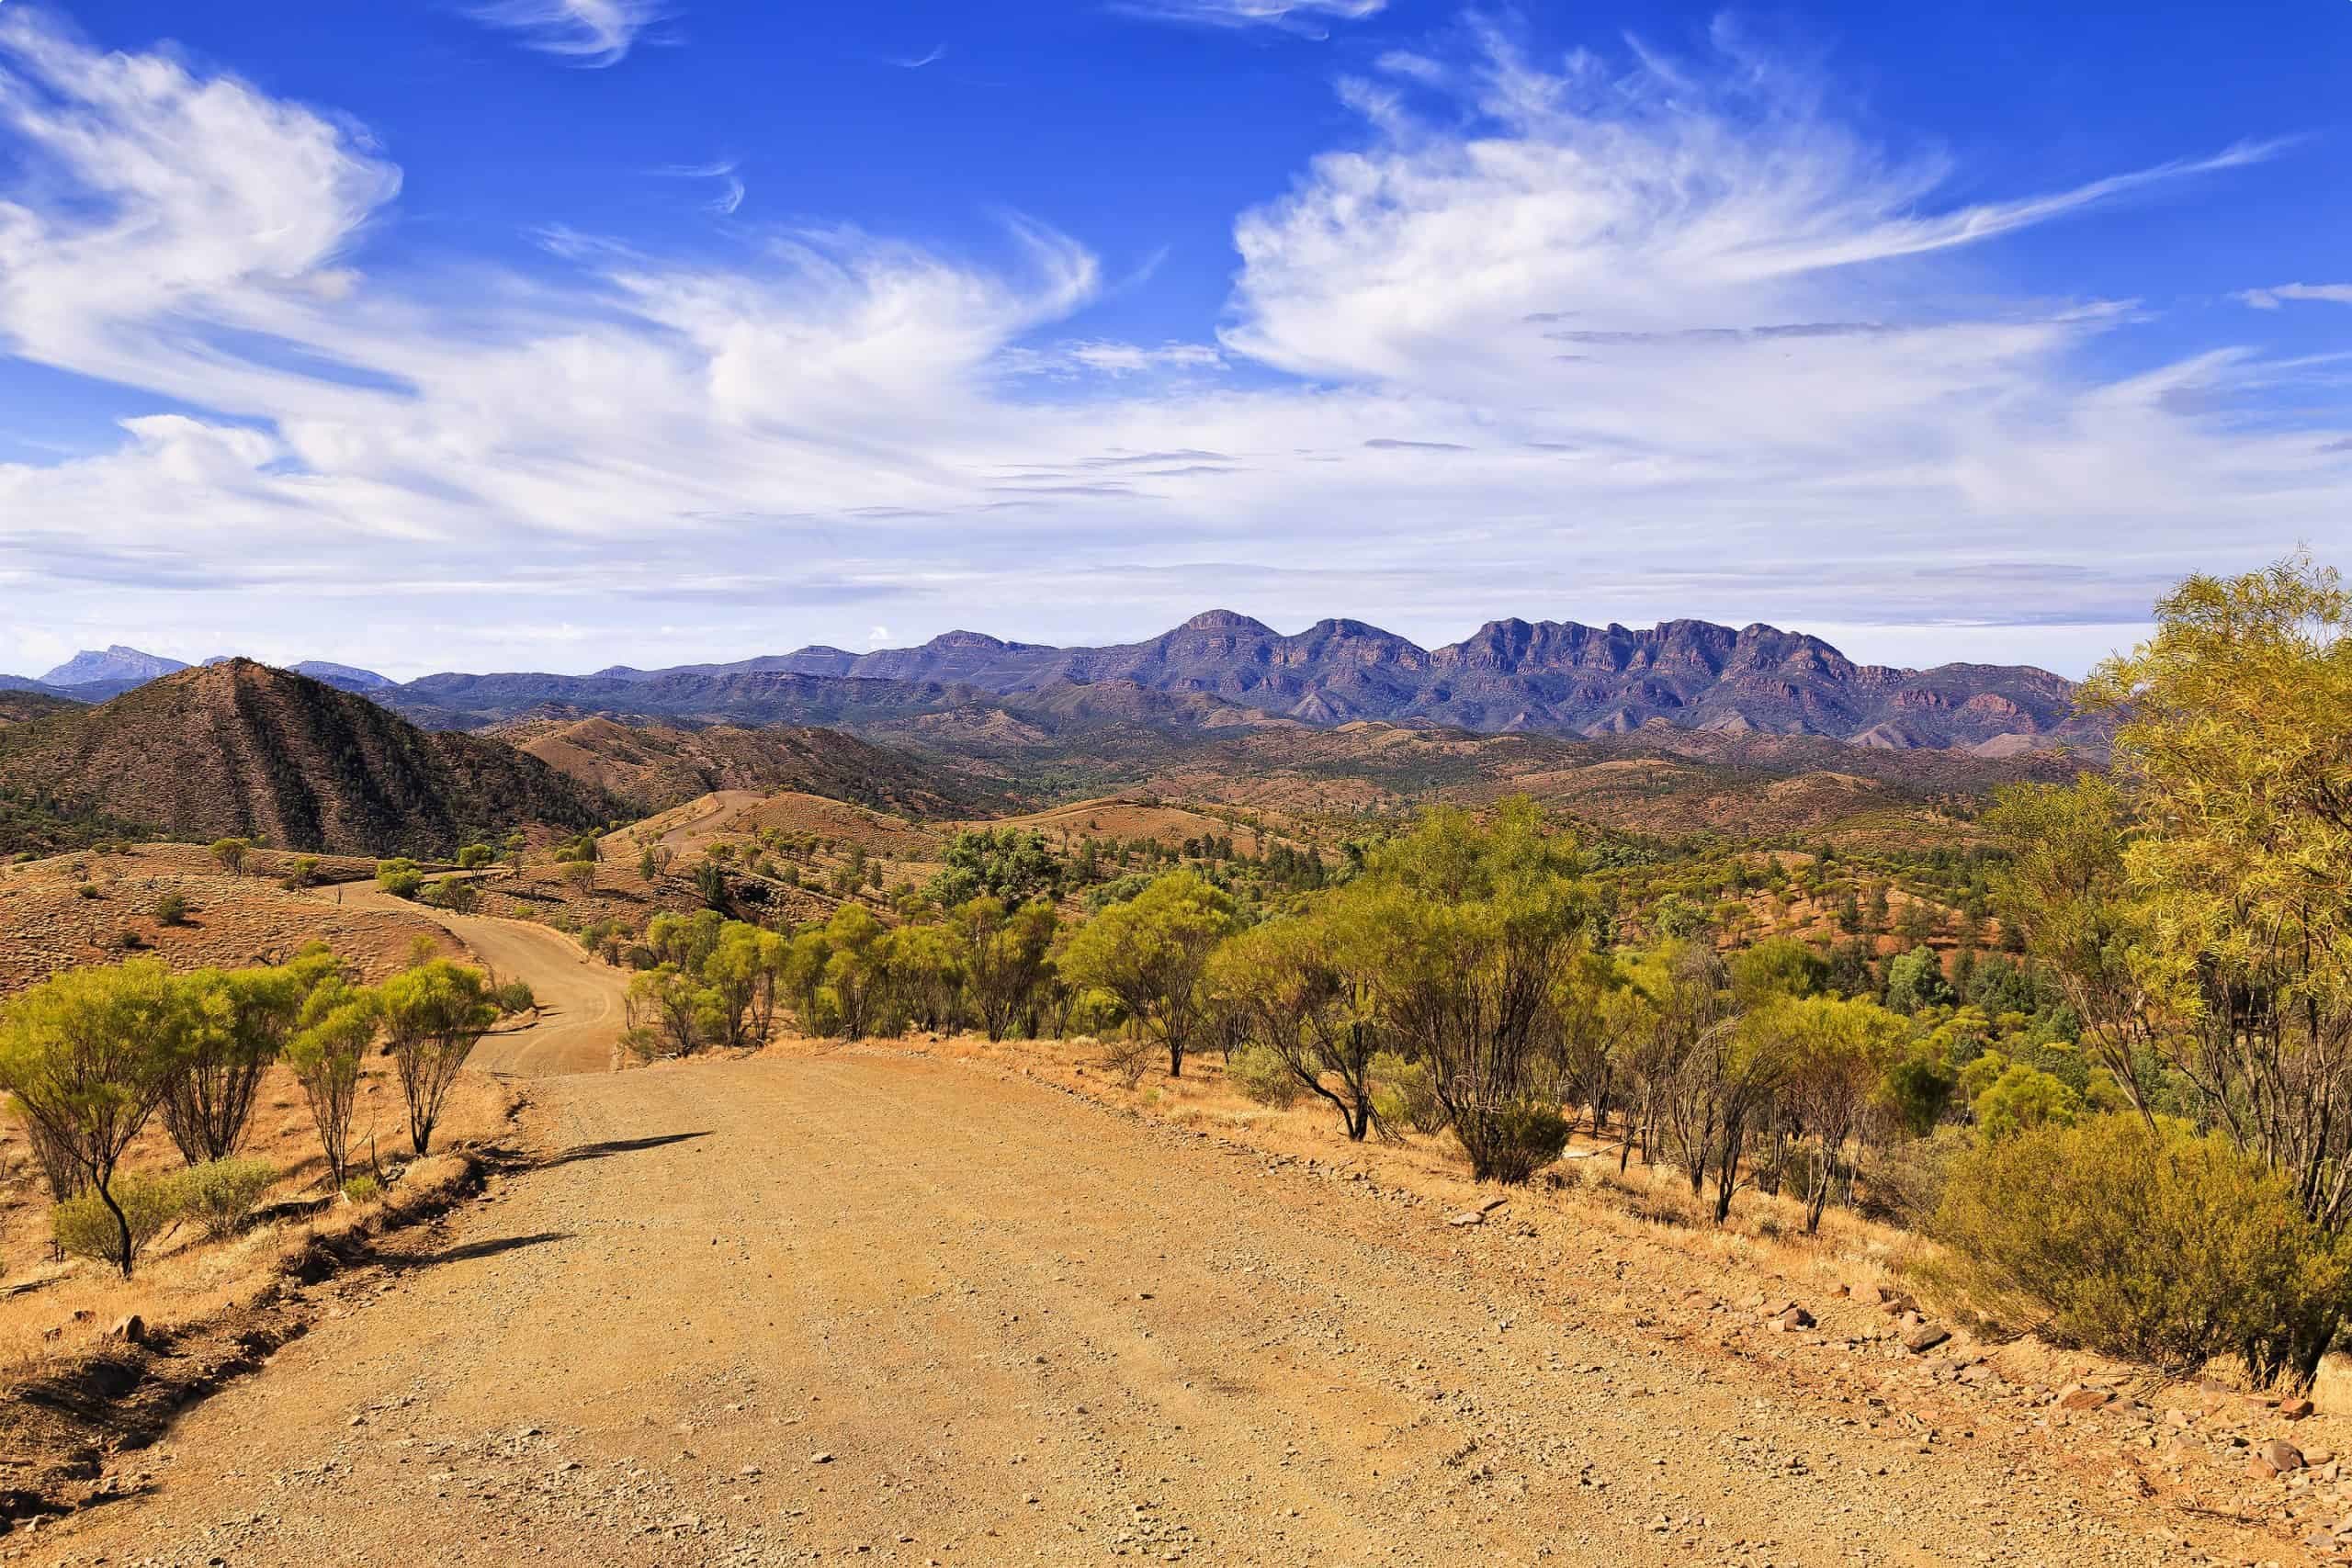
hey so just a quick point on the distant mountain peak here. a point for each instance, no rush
(1227, 621)
(347, 677)
(114, 663)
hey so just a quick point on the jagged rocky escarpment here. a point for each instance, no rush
(1221, 669)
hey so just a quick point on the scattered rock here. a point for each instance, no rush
(2292, 1409)
(1467, 1217)
(2277, 1457)
(132, 1330)
(1925, 1337)
(1790, 1318)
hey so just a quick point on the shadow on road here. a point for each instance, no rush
(616, 1146)
(489, 1246)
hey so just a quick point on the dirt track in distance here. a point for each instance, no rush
(870, 1306)
(581, 1001)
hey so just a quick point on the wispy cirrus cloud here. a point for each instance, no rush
(1542, 337)
(2279, 294)
(1308, 17)
(584, 32)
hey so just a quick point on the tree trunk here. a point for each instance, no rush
(121, 1220)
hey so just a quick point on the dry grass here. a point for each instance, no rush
(74, 909)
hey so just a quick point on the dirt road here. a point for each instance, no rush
(895, 1310)
(581, 1010)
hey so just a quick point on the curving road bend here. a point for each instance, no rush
(582, 1010)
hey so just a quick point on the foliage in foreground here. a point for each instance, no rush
(2150, 1242)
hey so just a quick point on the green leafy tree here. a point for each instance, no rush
(1914, 981)
(244, 1019)
(339, 1022)
(1472, 928)
(87, 1055)
(1152, 954)
(1300, 989)
(1836, 1055)
(434, 1015)
(1006, 956)
(1004, 864)
(232, 853)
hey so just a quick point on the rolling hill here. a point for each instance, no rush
(240, 748)
(654, 767)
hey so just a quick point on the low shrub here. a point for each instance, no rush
(2154, 1244)
(81, 1227)
(1128, 1056)
(220, 1195)
(401, 878)
(362, 1189)
(1263, 1076)
(170, 910)
(1412, 1093)
(514, 995)
(1511, 1141)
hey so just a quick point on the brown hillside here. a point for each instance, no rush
(656, 767)
(240, 748)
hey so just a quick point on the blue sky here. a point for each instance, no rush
(557, 333)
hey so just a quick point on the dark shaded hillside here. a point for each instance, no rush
(239, 749)
(19, 703)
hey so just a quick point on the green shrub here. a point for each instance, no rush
(362, 1189)
(454, 894)
(303, 872)
(514, 995)
(170, 910)
(1512, 1141)
(222, 1194)
(1263, 1076)
(81, 1227)
(2022, 1097)
(400, 878)
(1412, 1092)
(2157, 1244)
(88, 890)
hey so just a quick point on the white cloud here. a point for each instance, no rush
(1304, 16)
(1103, 357)
(2278, 294)
(1540, 343)
(585, 32)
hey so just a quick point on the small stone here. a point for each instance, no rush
(820, 1458)
(1467, 1217)
(131, 1330)
(2277, 1457)
(1792, 1318)
(2294, 1409)
(1925, 1337)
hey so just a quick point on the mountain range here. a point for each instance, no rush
(1221, 670)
